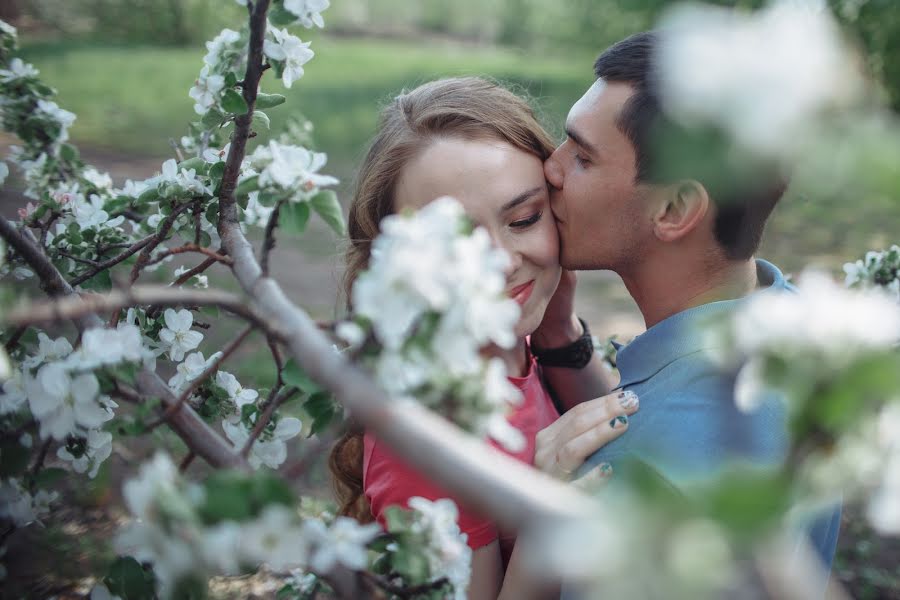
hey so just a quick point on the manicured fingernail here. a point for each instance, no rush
(628, 399)
(605, 470)
(619, 421)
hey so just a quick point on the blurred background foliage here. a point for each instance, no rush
(125, 67)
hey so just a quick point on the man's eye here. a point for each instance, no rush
(526, 222)
(582, 161)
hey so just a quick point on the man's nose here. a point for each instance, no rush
(553, 171)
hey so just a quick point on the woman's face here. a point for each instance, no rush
(503, 190)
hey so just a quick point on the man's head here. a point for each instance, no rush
(618, 200)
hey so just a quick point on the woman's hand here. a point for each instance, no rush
(560, 326)
(564, 445)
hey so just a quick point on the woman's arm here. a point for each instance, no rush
(559, 328)
(489, 583)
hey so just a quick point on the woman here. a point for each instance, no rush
(481, 144)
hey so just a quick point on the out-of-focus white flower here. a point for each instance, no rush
(101, 592)
(133, 188)
(301, 581)
(446, 549)
(62, 118)
(185, 180)
(18, 69)
(155, 477)
(219, 46)
(350, 333)
(274, 538)
(65, 405)
(97, 448)
(206, 90)
(256, 213)
(177, 334)
(48, 350)
(13, 398)
(765, 78)
(877, 269)
(102, 346)
(236, 393)
(8, 30)
(172, 554)
(308, 11)
(699, 552)
(291, 168)
(289, 49)
(99, 180)
(221, 547)
(190, 369)
(20, 507)
(344, 543)
(884, 506)
(4, 172)
(270, 448)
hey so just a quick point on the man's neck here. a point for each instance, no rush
(668, 288)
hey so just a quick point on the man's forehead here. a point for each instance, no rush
(600, 103)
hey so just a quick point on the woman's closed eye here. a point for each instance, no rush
(527, 222)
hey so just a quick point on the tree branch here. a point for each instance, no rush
(157, 239)
(111, 262)
(269, 240)
(186, 423)
(190, 248)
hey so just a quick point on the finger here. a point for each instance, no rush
(623, 402)
(595, 479)
(574, 452)
(594, 413)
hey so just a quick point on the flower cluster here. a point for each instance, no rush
(877, 269)
(429, 530)
(764, 78)
(290, 171)
(430, 301)
(184, 528)
(22, 507)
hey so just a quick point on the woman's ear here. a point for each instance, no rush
(682, 206)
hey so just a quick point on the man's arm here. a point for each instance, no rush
(560, 328)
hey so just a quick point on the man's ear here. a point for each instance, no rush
(681, 207)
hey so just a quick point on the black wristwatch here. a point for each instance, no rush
(574, 356)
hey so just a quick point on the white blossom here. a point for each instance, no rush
(97, 448)
(172, 554)
(292, 168)
(270, 448)
(63, 118)
(763, 77)
(256, 213)
(200, 280)
(65, 405)
(101, 592)
(447, 552)
(274, 538)
(13, 398)
(190, 369)
(49, 350)
(177, 334)
(19, 506)
(289, 49)
(99, 180)
(884, 506)
(133, 188)
(155, 477)
(221, 547)
(236, 393)
(8, 30)
(206, 90)
(89, 214)
(4, 172)
(18, 69)
(220, 45)
(308, 11)
(184, 180)
(343, 543)
(877, 269)
(350, 333)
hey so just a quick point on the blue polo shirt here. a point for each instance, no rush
(688, 425)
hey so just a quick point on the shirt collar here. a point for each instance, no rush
(682, 333)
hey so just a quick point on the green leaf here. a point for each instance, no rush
(68, 152)
(322, 408)
(294, 216)
(213, 118)
(196, 163)
(263, 118)
(101, 282)
(227, 498)
(269, 100)
(294, 375)
(125, 372)
(151, 194)
(251, 184)
(15, 458)
(230, 79)
(210, 311)
(280, 16)
(128, 579)
(234, 103)
(326, 204)
(212, 212)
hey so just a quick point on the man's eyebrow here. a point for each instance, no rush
(521, 198)
(576, 137)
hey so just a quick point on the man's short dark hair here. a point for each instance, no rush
(742, 210)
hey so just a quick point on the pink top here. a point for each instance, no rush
(388, 480)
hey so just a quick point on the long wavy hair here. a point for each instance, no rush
(468, 108)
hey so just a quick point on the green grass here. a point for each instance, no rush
(135, 99)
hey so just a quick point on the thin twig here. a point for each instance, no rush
(186, 462)
(198, 210)
(111, 262)
(196, 383)
(78, 259)
(195, 271)
(176, 149)
(14, 339)
(271, 406)
(190, 248)
(156, 240)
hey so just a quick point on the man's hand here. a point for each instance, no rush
(560, 326)
(563, 446)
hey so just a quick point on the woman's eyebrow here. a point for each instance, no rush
(521, 198)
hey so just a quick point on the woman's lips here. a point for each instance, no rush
(522, 293)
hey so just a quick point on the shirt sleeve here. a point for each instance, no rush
(390, 482)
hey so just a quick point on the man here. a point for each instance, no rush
(683, 243)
